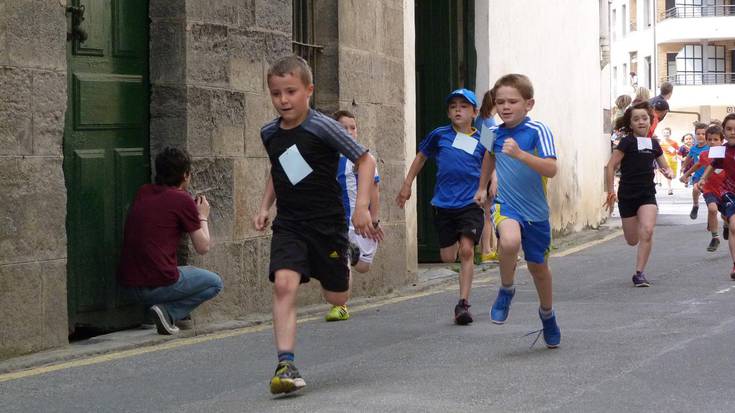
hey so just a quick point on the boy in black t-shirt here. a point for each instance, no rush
(310, 229)
(635, 154)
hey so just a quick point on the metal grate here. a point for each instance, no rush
(302, 42)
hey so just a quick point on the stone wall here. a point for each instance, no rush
(33, 313)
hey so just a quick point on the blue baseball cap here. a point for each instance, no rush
(468, 95)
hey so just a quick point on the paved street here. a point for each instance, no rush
(664, 348)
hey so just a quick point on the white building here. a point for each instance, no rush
(689, 43)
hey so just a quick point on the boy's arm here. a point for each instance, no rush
(703, 179)
(543, 166)
(487, 172)
(375, 203)
(405, 193)
(260, 220)
(697, 166)
(687, 161)
(200, 238)
(361, 218)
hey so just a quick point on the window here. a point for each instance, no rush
(623, 20)
(614, 24)
(689, 65)
(715, 64)
(671, 67)
(303, 36)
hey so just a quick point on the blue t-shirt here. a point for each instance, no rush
(694, 153)
(488, 122)
(520, 188)
(458, 170)
(347, 178)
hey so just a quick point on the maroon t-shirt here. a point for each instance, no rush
(728, 164)
(157, 219)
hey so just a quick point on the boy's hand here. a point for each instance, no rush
(609, 203)
(480, 197)
(403, 195)
(363, 224)
(684, 179)
(260, 220)
(699, 185)
(668, 173)
(511, 148)
(202, 206)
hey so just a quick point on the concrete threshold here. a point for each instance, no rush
(432, 279)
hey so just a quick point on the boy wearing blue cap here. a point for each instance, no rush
(459, 220)
(524, 157)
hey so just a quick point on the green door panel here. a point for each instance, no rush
(445, 60)
(106, 155)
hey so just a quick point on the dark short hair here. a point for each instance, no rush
(666, 88)
(660, 104)
(700, 125)
(728, 118)
(343, 114)
(715, 130)
(172, 164)
(519, 82)
(629, 114)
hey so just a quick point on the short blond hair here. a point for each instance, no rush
(291, 65)
(519, 82)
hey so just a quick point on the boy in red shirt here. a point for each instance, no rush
(727, 201)
(712, 189)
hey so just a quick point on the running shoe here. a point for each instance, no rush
(725, 231)
(552, 334)
(462, 315)
(338, 313)
(501, 306)
(713, 244)
(639, 280)
(287, 378)
(491, 256)
(164, 323)
(671, 192)
(732, 273)
(693, 214)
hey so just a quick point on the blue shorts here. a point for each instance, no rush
(727, 205)
(535, 235)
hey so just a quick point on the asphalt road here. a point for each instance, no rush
(665, 348)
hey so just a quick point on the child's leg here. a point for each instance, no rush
(449, 254)
(467, 266)
(336, 298)
(285, 287)
(487, 231)
(695, 196)
(509, 243)
(541, 274)
(630, 230)
(731, 240)
(712, 212)
(647, 220)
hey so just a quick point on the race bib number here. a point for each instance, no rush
(645, 144)
(465, 142)
(294, 165)
(716, 152)
(487, 138)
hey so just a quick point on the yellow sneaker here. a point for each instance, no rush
(338, 313)
(492, 256)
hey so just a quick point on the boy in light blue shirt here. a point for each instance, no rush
(459, 221)
(523, 156)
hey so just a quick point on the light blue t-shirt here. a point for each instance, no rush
(694, 153)
(458, 170)
(488, 122)
(347, 178)
(520, 188)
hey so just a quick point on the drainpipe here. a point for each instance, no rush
(656, 78)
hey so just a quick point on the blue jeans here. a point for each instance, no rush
(193, 287)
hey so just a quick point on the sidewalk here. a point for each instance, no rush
(432, 278)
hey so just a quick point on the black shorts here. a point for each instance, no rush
(628, 206)
(451, 224)
(315, 249)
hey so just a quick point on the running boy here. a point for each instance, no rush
(727, 203)
(712, 189)
(700, 135)
(309, 231)
(636, 196)
(362, 249)
(458, 153)
(525, 156)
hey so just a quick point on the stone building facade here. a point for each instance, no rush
(207, 65)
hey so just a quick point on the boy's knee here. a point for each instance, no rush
(466, 253)
(712, 209)
(510, 244)
(284, 285)
(647, 232)
(362, 267)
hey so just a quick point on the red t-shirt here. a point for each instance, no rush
(157, 219)
(728, 164)
(716, 180)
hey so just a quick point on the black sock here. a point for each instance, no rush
(285, 356)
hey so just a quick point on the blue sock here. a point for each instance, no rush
(285, 356)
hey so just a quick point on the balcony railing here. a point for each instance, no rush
(699, 11)
(718, 78)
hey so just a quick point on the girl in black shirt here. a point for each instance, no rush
(636, 154)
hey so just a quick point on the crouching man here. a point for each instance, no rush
(160, 214)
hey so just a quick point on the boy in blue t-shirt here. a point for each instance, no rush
(523, 157)
(459, 221)
(700, 133)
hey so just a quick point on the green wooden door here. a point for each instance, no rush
(445, 60)
(105, 154)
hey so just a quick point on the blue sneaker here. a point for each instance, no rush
(501, 306)
(552, 335)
